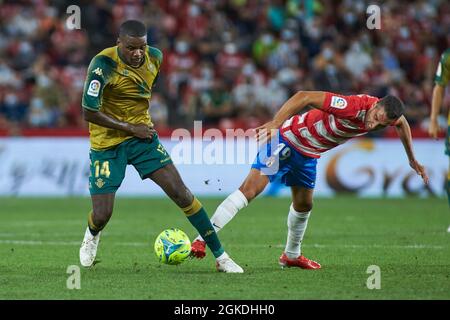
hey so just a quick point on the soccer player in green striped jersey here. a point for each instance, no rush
(441, 80)
(116, 99)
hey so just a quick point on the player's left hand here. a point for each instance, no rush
(142, 131)
(420, 170)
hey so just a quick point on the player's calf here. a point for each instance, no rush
(253, 184)
(225, 212)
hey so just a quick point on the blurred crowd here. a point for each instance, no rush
(230, 63)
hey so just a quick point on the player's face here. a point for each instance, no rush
(377, 118)
(132, 49)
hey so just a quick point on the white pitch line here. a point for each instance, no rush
(40, 243)
(360, 246)
(67, 243)
(34, 223)
(144, 244)
(36, 235)
(355, 246)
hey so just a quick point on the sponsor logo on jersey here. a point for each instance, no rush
(208, 233)
(338, 102)
(94, 88)
(98, 72)
(161, 149)
(165, 160)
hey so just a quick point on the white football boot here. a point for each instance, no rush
(88, 249)
(448, 230)
(225, 264)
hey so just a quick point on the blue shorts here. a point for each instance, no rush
(284, 164)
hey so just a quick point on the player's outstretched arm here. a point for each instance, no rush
(291, 107)
(138, 130)
(436, 102)
(404, 132)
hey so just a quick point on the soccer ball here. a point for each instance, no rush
(172, 246)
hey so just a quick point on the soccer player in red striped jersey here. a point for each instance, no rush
(297, 139)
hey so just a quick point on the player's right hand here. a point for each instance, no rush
(142, 131)
(266, 131)
(420, 170)
(433, 130)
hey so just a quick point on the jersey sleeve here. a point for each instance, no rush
(442, 76)
(342, 106)
(97, 77)
(157, 55)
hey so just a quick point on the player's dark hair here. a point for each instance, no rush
(132, 28)
(394, 107)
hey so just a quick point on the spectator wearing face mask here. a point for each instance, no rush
(357, 61)
(8, 76)
(195, 21)
(49, 102)
(13, 107)
(201, 83)
(179, 64)
(286, 52)
(229, 62)
(329, 71)
(406, 50)
(216, 104)
(203, 77)
(249, 93)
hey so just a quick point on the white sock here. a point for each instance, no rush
(227, 210)
(297, 223)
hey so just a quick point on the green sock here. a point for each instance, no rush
(199, 219)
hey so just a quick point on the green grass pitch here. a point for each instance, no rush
(406, 238)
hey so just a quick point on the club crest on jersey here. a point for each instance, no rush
(94, 88)
(338, 102)
(100, 183)
(151, 67)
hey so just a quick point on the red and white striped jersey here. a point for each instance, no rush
(318, 130)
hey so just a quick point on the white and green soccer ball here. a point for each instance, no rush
(172, 246)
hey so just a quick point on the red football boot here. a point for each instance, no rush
(198, 249)
(300, 262)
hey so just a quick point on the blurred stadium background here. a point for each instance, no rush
(229, 63)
